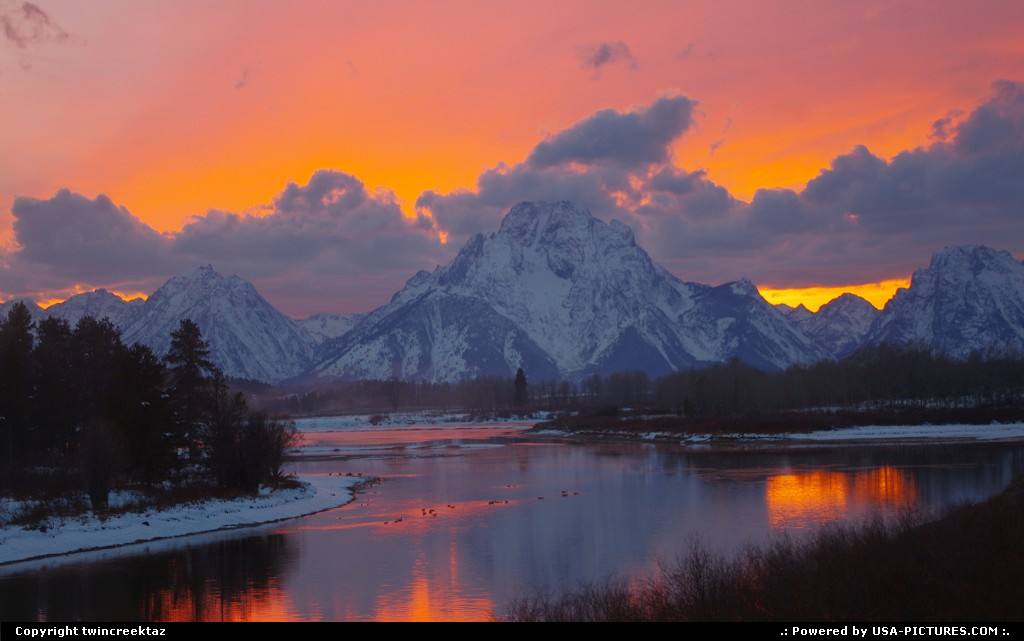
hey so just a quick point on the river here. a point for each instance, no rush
(466, 518)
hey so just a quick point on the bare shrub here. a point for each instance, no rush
(965, 566)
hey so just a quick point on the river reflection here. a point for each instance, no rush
(808, 498)
(463, 521)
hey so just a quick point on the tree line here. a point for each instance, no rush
(880, 377)
(85, 406)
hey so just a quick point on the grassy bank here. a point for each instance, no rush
(965, 566)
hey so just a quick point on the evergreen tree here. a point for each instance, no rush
(15, 377)
(191, 392)
(140, 414)
(55, 390)
(244, 449)
(520, 388)
(224, 433)
(94, 346)
(100, 459)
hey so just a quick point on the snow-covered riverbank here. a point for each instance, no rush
(87, 532)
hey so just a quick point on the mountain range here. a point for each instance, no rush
(564, 295)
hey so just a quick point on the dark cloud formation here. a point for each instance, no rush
(71, 239)
(595, 56)
(618, 165)
(333, 245)
(862, 219)
(328, 245)
(329, 239)
(592, 163)
(26, 24)
(629, 139)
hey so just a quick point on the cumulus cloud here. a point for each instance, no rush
(329, 245)
(595, 163)
(976, 175)
(332, 244)
(881, 218)
(595, 56)
(330, 239)
(638, 137)
(72, 239)
(862, 218)
(619, 165)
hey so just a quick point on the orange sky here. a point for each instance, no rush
(174, 109)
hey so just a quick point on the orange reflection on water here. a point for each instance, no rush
(809, 498)
(433, 595)
(885, 487)
(207, 602)
(796, 500)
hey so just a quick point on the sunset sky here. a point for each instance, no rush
(327, 150)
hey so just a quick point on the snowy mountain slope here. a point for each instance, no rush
(323, 326)
(248, 337)
(441, 337)
(970, 299)
(841, 324)
(739, 323)
(37, 312)
(558, 290)
(99, 304)
(796, 314)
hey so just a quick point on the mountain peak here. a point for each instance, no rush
(975, 258)
(201, 271)
(558, 292)
(537, 220)
(744, 287)
(840, 324)
(847, 299)
(970, 299)
(248, 337)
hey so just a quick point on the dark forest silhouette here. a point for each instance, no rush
(82, 411)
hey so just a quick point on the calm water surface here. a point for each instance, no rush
(465, 519)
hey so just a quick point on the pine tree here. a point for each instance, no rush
(15, 377)
(94, 346)
(140, 413)
(55, 392)
(520, 388)
(228, 414)
(190, 370)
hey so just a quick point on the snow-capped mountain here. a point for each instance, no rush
(970, 299)
(841, 324)
(248, 337)
(99, 304)
(739, 323)
(795, 314)
(559, 293)
(562, 294)
(323, 326)
(37, 312)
